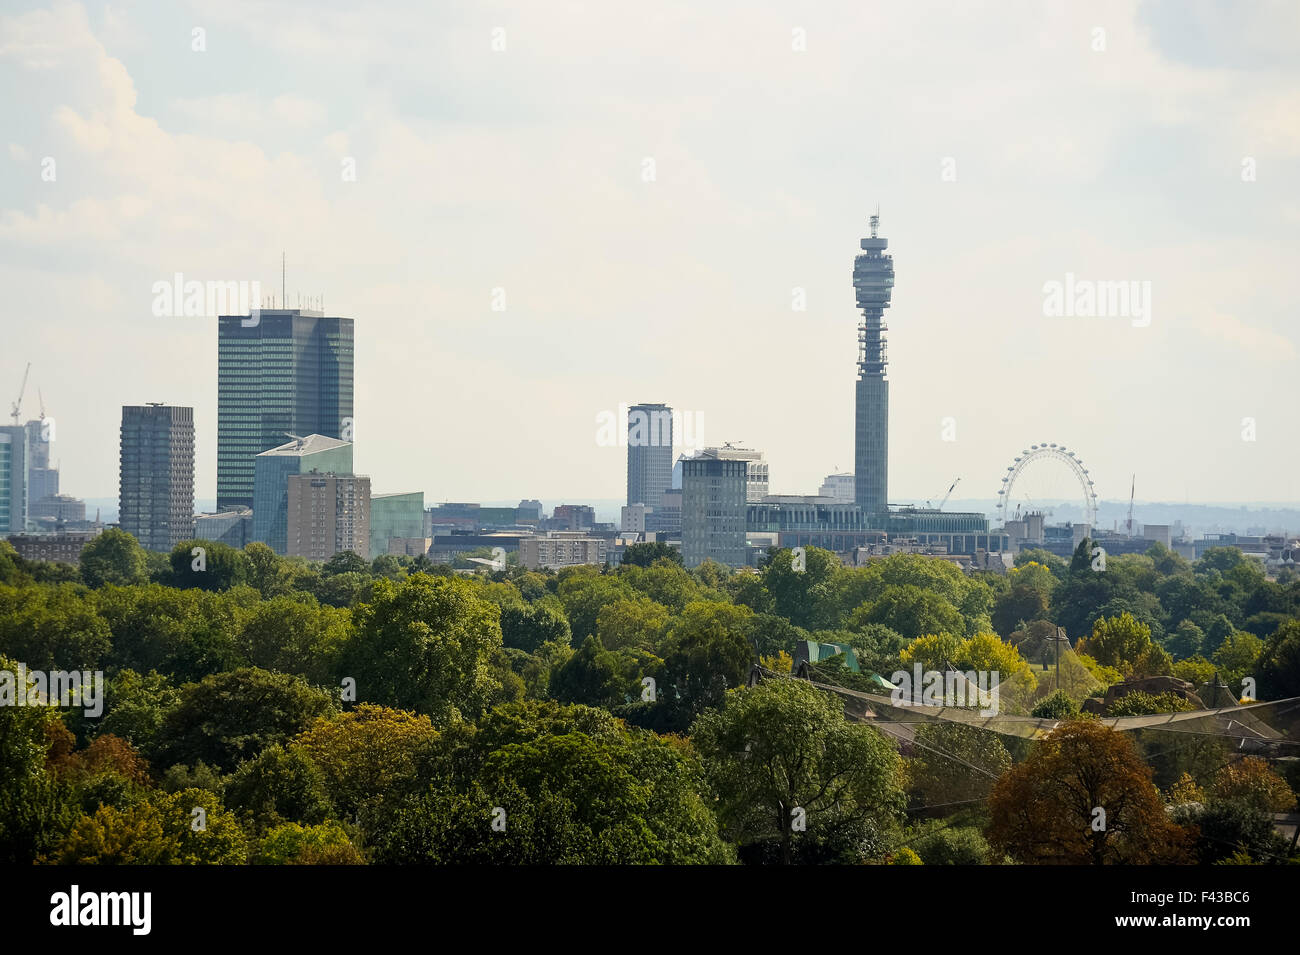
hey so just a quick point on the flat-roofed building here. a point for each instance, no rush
(328, 514)
(156, 502)
(561, 550)
(395, 515)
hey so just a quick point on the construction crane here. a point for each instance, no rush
(949, 494)
(17, 409)
(1132, 488)
(41, 398)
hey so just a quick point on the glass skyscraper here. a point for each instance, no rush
(873, 279)
(279, 372)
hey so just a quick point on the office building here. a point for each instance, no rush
(649, 453)
(715, 486)
(395, 515)
(327, 514)
(280, 372)
(274, 467)
(873, 281)
(156, 498)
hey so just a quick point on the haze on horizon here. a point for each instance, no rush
(1004, 150)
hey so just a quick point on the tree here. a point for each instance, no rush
(800, 589)
(425, 644)
(366, 751)
(878, 648)
(1237, 655)
(35, 809)
(631, 623)
(216, 566)
(267, 571)
(345, 562)
(279, 785)
(953, 763)
(229, 717)
(1226, 829)
(595, 676)
(294, 635)
(665, 582)
(1046, 809)
(584, 591)
(1279, 663)
(113, 557)
(645, 553)
(1028, 597)
(964, 845)
(706, 651)
(1117, 642)
(292, 844)
(186, 634)
(782, 751)
(537, 783)
(1057, 705)
(52, 628)
(1186, 640)
(134, 707)
(1250, 780)
(527, 626)
(219, 840)
(910, 611)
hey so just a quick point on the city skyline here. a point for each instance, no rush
(446, 210)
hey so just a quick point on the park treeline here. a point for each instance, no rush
(261, 709)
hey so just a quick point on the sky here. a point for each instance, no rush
(539, 213)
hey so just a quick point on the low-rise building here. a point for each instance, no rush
(561, 550)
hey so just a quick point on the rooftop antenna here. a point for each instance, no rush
(875, 221)
(283, 300)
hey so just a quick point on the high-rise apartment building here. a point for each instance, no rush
(156, 502)
(272, 470)
(327, 514)
(873, 280)
(279, 371)
(649, 453)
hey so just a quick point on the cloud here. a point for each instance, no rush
(1262, 344)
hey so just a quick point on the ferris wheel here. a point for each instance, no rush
(1060, 454)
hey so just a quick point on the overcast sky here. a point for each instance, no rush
(773, 129)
